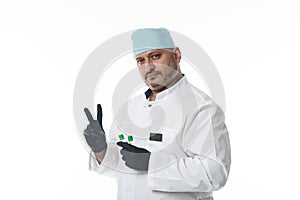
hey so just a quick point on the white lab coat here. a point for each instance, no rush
(191, 161)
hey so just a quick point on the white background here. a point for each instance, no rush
(254, 44)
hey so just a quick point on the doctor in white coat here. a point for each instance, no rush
(169, 143)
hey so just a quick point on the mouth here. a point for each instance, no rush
(151, 76)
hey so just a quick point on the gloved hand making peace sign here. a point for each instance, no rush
(94, 133)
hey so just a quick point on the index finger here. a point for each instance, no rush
(99, 114)
(124, 145)
(88, 115)
(128, 147)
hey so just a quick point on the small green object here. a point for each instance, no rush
(121, 137)
(130, 138)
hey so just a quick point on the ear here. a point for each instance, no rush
(177, 54)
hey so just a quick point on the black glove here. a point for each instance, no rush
(94, 133)
(134, 157)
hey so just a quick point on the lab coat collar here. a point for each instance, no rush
(162, 94)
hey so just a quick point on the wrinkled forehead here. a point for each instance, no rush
(153, 51)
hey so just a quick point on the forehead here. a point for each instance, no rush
(148, 53)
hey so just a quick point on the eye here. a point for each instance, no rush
(140, 61)
(155, 56)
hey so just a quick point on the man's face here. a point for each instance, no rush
(159, 68)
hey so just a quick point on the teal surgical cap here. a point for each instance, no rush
(150, 38)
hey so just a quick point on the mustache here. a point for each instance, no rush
(151, 73)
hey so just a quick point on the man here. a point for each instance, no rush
(178, 145)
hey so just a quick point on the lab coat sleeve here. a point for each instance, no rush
(109, 164)
(205, 162)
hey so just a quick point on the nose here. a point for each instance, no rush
(149, 66)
